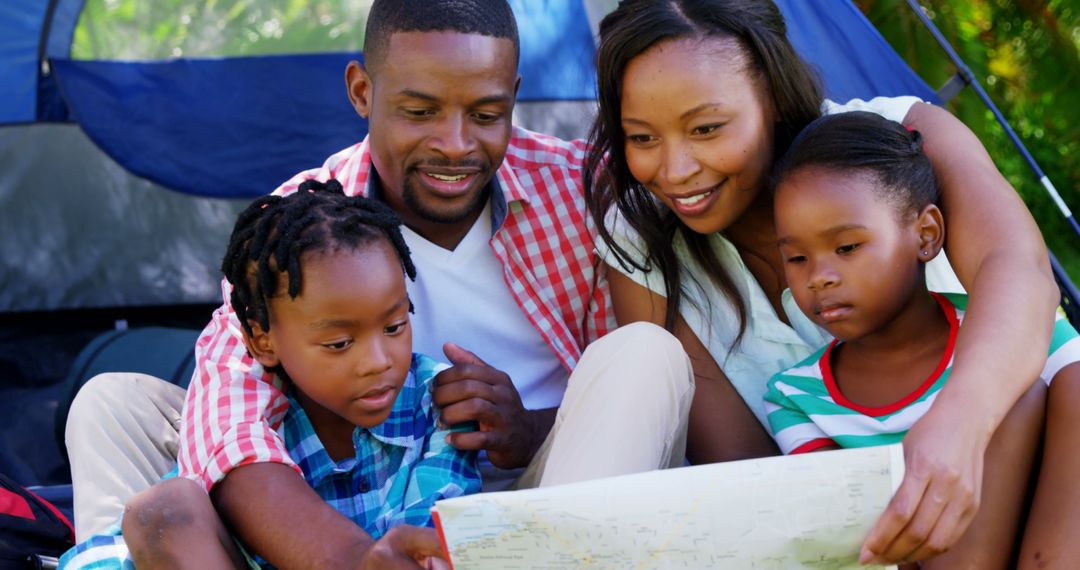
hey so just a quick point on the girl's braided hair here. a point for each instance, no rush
(274, 231)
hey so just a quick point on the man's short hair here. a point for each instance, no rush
(492, 18)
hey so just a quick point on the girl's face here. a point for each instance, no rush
(699, 129)
(345, 341)
(852, 264)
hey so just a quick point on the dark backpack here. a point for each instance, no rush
(29, 526)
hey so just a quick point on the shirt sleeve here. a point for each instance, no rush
(443, 471)
(892, 108)
(632, 248)
(791, 427)
(233, 407)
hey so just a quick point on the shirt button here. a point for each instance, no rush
(363, 486)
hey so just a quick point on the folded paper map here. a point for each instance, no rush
(802, 511)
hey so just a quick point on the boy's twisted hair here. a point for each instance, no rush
(274, 231)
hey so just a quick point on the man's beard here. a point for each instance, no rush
(411, 196)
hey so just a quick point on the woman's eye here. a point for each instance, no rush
(705, 129)
(640, 139)
(339, 345)
(847, 248)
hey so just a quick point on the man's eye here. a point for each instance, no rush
(486, 118)
(339, 345)
(847, 248)
(418, 113)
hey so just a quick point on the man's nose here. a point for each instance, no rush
(453, 137)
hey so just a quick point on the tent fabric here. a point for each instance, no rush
(852, 57)
(238, 126)
(20, 29)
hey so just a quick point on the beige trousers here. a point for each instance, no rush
(625, 411)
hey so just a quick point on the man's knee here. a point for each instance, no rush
(170, 506)
(101, 395)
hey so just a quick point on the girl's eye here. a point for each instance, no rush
(847, 248)
(796, 259)
(396, 328)
(339, 345)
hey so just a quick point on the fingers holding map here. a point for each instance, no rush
(800, 511)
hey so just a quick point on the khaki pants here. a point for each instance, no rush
(625, 411)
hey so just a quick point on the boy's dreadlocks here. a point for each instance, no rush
(274, 231)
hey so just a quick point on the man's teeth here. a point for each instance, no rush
(691, 200)
(445, 178)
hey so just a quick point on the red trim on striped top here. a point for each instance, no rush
(834, 390)
(813, 445)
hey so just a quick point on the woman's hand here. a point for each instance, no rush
(939, 495)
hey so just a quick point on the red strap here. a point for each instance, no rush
(15, 505)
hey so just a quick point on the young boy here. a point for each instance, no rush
(857, 222)
(318, 287)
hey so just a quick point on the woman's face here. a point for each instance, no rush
(699, 129)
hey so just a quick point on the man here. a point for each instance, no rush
(506, 269)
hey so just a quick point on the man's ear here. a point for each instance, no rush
(260, 346)
(359, 87)
(931, 227)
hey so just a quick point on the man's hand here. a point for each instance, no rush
(471, 390)
(405, 547)
(939, 495)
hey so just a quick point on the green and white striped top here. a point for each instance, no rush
(806, 410)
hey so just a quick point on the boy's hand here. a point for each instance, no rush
(471, 390)
(405, 547)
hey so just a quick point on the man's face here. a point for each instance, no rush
(439, 107)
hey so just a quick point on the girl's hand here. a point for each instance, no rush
(939, 495)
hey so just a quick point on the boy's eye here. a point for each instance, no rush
(339, 345)
(847, 248)
(796, 258)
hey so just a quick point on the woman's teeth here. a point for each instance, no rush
(691, 200)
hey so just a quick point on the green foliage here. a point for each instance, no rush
(160, 29)
(1026, 54)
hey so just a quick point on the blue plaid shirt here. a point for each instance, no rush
(402, 466)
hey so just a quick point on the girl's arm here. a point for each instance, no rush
(999, 256)
(722, 427)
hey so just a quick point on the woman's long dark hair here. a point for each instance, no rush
(637, 25)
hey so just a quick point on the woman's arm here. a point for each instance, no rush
(722, 427)
(999, 256)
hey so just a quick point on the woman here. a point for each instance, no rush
(697, 98)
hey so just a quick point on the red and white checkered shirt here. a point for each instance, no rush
(545, 243)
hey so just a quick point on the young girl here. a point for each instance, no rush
(697, 98)
(319, 288)
(857, 221)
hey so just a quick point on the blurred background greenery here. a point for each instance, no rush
(1026, 54)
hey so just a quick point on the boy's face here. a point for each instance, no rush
(851, 263)
(439, 108)
(345, 341)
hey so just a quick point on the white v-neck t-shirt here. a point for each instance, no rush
(461, 296)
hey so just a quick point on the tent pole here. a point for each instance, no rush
(969, 78)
